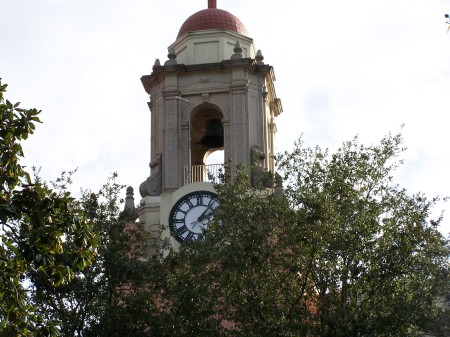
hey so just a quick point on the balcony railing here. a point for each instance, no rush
(198, 173)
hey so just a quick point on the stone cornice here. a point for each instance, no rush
(159, 72)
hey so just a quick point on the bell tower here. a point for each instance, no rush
(213, 93)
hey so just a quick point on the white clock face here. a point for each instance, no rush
(190, 215)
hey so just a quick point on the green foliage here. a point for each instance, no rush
(343, 252)
(379, 260)
(39, 227)
(111, 296)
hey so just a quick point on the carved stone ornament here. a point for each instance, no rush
(259, 57)
(172, 57)
(258, 156)
(237, 51)
(260, 177)
(153, 185)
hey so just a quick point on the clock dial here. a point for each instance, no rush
(190, 215)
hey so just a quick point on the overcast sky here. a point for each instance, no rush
(343, 68)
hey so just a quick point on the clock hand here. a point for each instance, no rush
(200, 218)
(205, 216)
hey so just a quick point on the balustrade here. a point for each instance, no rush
(199, 173)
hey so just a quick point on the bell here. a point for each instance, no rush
(213, 137)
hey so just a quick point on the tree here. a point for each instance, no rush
(343, 252)
(110, 296)
(41, 230)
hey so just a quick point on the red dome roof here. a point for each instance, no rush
(212, 18)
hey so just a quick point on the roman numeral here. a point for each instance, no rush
(211, 204)
(180, 210)
(199, 199)
(181, 230)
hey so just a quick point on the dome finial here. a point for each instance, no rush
(212, 3)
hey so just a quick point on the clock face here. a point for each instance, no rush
(190, 215)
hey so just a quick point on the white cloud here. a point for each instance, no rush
(343, 68)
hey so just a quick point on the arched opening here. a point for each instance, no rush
(202, 118)
(207, 143)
